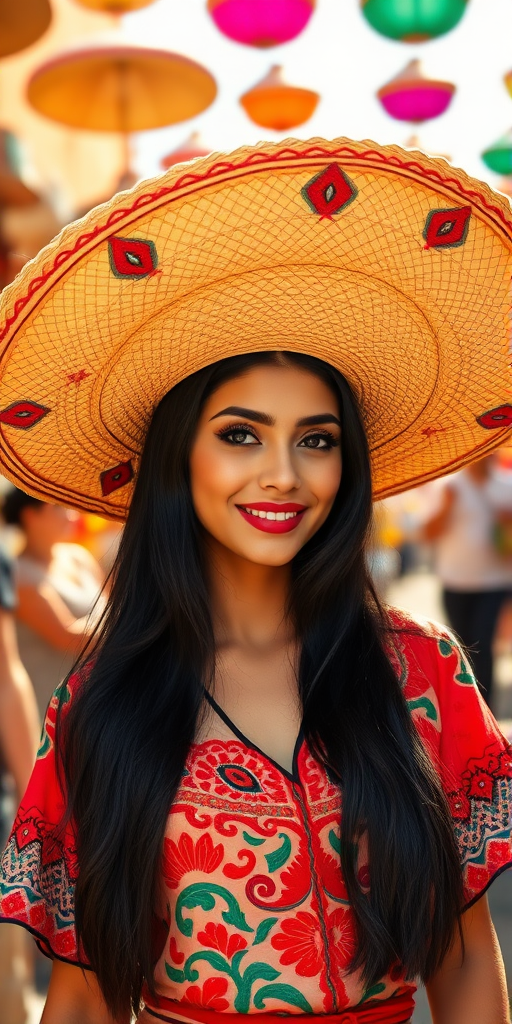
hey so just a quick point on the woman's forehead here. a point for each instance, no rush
(275, 390)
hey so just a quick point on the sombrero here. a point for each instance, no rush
(390, 265)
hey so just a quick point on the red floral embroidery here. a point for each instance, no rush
(184, 856)
(210, 995)
(341, 938)
(216, 937)
(505, 764)
(460, 806)
(301, 940)
(13, 905)
(26, 833)
(176, 956)
(480, 785)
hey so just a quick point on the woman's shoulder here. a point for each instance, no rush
(422, 650)
(416, 630)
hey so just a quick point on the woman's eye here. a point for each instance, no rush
(238, 437)
(316, 441)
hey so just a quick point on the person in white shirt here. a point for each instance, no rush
(476, 575)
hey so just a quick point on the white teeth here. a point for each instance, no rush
(280, 516)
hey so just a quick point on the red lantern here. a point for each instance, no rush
(261, 23)
(413, 97)
(188, 150)
(274, 104)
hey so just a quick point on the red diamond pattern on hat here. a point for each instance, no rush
(329, 192)
(114, 478)
(501, 416)
(132, 257)
(23, 414)
(447, 229)
(117, 477)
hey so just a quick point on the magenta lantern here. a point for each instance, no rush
(261, 23)
(412, 97)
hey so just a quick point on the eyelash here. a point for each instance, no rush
(245, 428)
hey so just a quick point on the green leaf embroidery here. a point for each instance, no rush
(464, 676)
(253, 840)
(375, 990)
(335, 841)
(245, 982)
(278, 857)
(423, 702)
(287, 993)
(45, 744)
(445, 648)
(174, 974)
(263, 929)
(218, 962)
(203, 894)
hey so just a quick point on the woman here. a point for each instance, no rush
(58, 586)
(182, 836)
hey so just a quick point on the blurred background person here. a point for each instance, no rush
(58, 585)
(467, 530)
(19, 734)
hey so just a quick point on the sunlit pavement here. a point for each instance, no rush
(419, 593)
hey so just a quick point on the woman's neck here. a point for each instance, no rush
(248, 601)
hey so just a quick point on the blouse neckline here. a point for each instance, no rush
(292, 776)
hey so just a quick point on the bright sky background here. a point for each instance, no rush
(346, 61)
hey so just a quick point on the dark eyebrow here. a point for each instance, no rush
(269, 421)
(324, 417)
(246, 414)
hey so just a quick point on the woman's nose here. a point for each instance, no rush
(279, 470)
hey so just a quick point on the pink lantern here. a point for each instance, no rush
(412, 97)
(261, 23)
(188, 150)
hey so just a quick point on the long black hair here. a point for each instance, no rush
(128, 731)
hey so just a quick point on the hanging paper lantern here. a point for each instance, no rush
(498, 157)
(412, 97)
(413, 21)
(114, 6)
(261, 23)
(189, 150)
(508, 81)
(274, 104)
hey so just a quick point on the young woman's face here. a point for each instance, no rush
(266, 462)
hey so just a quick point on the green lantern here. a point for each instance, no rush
(413, 21)
(498, 157)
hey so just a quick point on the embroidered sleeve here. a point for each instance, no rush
(473, 758)
(39, 865)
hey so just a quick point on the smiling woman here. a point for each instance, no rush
(261, 792)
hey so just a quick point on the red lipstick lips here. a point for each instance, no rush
(290, 511)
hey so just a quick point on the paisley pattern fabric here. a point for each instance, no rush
(254, 915)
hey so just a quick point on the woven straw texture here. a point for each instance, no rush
(392, 266)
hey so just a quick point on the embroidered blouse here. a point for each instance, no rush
(254, 911)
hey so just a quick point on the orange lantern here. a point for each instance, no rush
(272, 103)
(114, 6)
(22, 23)
(188, 150)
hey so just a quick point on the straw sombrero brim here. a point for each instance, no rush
(390, 265)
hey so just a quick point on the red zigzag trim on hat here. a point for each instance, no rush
(253, 160)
